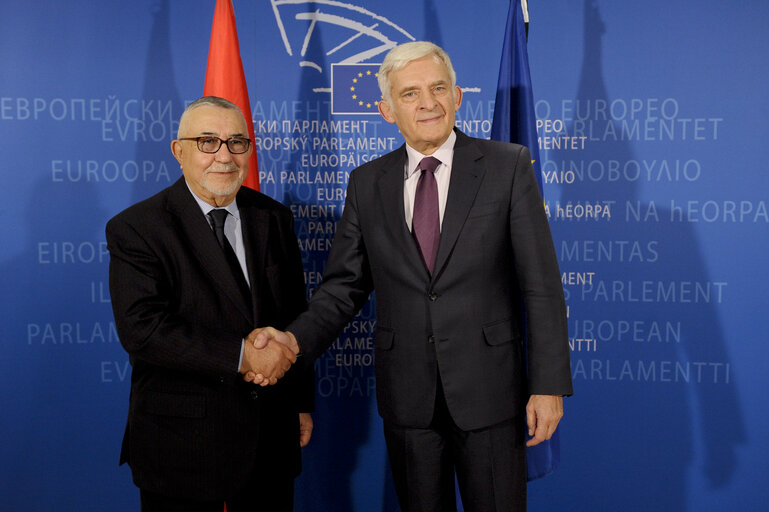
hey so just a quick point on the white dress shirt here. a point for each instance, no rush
(445, 154)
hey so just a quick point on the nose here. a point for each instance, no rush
(223, 154)
(427, 100)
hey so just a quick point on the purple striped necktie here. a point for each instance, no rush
(426, 221)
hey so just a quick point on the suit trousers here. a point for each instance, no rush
(490, 464)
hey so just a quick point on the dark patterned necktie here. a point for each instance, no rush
(426, 223)
(218, 218)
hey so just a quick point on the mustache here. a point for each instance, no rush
(219, 167)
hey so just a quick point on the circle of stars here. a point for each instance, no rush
(355, 80)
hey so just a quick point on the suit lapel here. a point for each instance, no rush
(390, 186)
(256, 230)
(466, 177)
(202, 240)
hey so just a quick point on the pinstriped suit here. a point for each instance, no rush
(194, 428)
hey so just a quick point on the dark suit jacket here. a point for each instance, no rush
(465, 321)
(194, 427)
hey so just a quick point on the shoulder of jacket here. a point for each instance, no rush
(384, 162)
(248, 197)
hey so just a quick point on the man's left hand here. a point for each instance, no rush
(305, 428)
(543, 412)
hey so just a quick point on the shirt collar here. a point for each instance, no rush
(232, 208)
(445, 154)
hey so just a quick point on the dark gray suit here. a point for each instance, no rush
(465, 320)
(451, 375)
(194, 428)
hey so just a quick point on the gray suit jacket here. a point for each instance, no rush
(466, 321)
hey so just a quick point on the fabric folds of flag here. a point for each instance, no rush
(515, 121)
(224, 74)
(514, 118)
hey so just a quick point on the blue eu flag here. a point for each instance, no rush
(354, 89)
(514, 121)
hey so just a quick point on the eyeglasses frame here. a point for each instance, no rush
(221, 141)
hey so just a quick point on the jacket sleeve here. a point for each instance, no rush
(347, 284)
(539, 279)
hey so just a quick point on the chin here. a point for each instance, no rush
(224, 190)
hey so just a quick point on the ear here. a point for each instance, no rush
(176, 149)
(457, 97)
(386, 111)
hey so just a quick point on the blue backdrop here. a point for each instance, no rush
(652, 134)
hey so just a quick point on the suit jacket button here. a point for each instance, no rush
(433, 296)
(254, 395)
(431, 339)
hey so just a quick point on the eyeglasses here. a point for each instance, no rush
(209, 144)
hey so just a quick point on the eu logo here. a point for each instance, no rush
(354, 89)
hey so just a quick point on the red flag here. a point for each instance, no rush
(224, 74)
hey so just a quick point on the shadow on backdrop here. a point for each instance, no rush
(343, 403)
(58, 336)
(159, 90)
(637, 437)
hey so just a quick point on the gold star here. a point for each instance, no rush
(360, 74)
(360, 103)
(352, 88)
(368, 72)
(368, 105)
(355, 80)
(355, 96)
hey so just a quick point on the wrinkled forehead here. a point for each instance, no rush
(429, 70)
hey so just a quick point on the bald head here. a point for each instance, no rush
(210, 101)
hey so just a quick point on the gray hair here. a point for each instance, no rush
(400, 56)
(207, 101)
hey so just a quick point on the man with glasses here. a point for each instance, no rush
(194, 270)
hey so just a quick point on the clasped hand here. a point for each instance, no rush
(265, 360)
(267, 356)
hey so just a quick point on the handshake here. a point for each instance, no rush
(267, 355)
